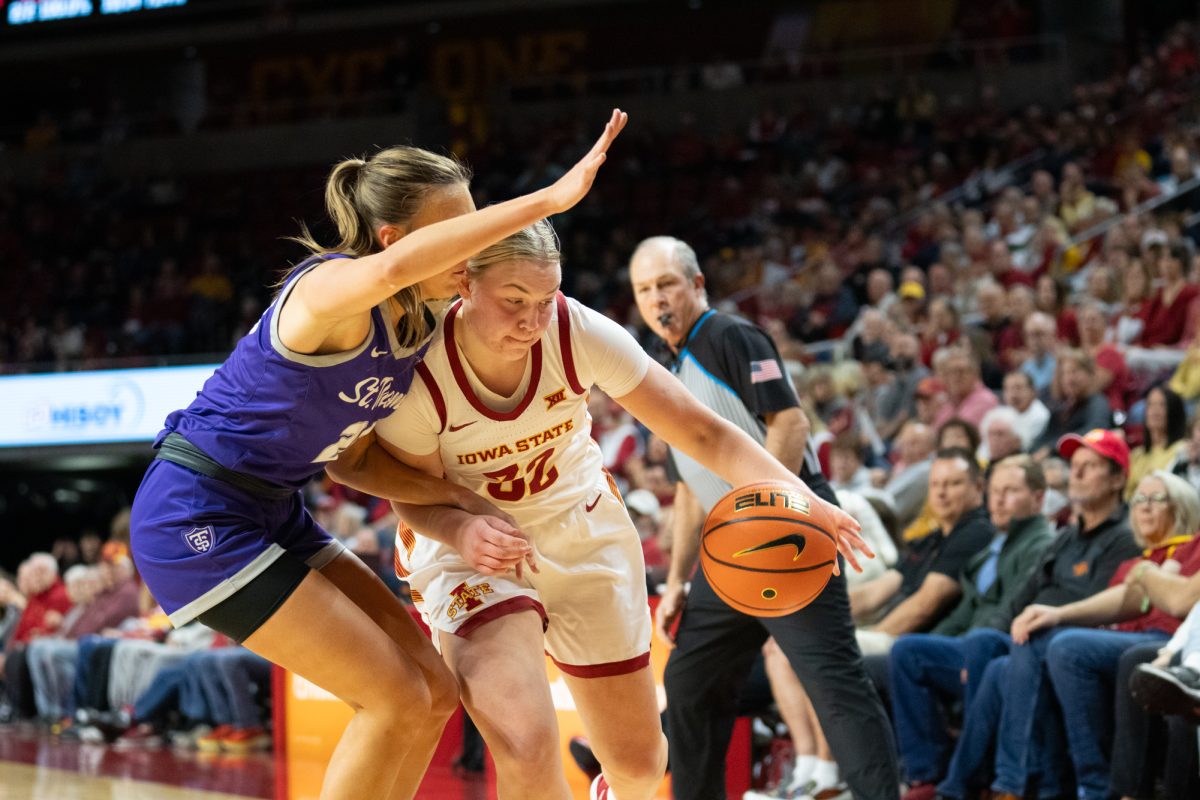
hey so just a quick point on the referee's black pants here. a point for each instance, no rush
(715, 648)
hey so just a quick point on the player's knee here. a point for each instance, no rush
(529, 741)
(443, 691)
(638, 762)
(394, 688)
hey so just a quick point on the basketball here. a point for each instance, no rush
(768, 549)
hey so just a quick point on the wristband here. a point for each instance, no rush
(1138, 572)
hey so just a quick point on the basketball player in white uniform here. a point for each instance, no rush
(500, 406)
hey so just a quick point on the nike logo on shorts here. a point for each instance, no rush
(377, 353)
(588, 508)
(456, 428)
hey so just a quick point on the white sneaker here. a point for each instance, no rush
(839, 791)
(762, 794)
(90, 734)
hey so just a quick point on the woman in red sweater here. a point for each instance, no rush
(1166, 313)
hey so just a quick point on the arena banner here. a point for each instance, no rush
(96, 407)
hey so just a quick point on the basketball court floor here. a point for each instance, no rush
(37, 766)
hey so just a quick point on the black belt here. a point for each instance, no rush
(178, 450)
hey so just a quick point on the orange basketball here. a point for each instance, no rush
(767, 549)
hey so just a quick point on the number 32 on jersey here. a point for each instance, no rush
(508, 484)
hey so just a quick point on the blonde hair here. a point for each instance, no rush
(390, 187)
(538, 243)
(848, 378)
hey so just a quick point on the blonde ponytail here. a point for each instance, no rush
(388, 188)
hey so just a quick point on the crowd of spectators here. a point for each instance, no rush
(88, 655)
(159, 264)
(1049, 325)
(942, 312)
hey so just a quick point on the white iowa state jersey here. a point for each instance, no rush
(531, 454)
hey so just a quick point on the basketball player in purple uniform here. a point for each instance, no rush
(219, 528)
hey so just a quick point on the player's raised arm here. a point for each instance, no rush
(403, 255)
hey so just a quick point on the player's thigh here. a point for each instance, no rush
(367, 591)
(321, 634)
(620, 714)
(501, 670)
(593, 586)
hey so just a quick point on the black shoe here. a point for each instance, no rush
(1167, 690)
(583, 756)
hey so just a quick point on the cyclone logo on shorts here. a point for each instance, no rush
(199, 539)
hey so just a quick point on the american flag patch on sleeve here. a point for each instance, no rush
(765, 370)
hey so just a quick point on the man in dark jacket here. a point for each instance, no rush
(925, 667)
(992, 577)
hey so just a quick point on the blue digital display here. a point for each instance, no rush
(26, 12)
(125, 405)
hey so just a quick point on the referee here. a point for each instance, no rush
(733, 367)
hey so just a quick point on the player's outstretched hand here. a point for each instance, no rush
(572, 187)
(849, 539)
(666, 616)
(493, 547)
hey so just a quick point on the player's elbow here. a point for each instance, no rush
(803, 426)
(336, 472)
(708, 436)
(396, 274)
(347, 467)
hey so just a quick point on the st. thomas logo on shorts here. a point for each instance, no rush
(199, 539)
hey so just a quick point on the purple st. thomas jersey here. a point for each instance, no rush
(281, 416)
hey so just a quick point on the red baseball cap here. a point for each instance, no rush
(929, 387)
(114, 552)
(1103, 442)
